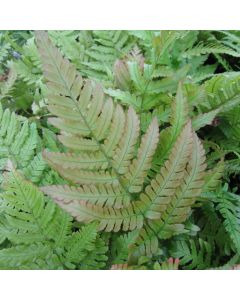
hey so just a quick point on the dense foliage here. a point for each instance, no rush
(119, 150)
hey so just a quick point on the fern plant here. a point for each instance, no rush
(119, 150)
(107, 168)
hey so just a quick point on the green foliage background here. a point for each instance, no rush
(172, 76)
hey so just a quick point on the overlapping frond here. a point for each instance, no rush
(40, 232)
(18, 140)
(179, 207)
(210, 48)
(140, 166)
(161, 189)
(109, 218)
(169, 135)
(228, 206)
(193, 254)
(222, 93)
(102, 195)
(171, 210)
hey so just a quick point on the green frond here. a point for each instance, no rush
(80, 243)
(211, 48)
(193, 254)
(97, 258)
(25, 205)
(34, 171)
(5, 47)
(213, 230)
(31, 219)
(8, 85)
(16, 257)
(228, 206)
(204, 119)
(168, 84)
(213, 176)
(120, 249)
(18, 140)
(96, 51)
(222, 93)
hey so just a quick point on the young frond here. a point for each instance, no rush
(169, 135)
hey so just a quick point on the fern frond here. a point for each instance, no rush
(222, 93)
(18, 139)
(161, 189)
(139, 167)
(170, 214)
(6, 88)
(79, 243)
(5, 48)
(229, 208)
(110, 219)
(212, 178)
(202, 120)
(96, 259)
(179, 208)
(126, 149)
(120, 249)
(34, 171)
(27, 199)
(211, 48)
(193, 254)
(169, 135)
(31, 218)
(102, 195)
(17, 257)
